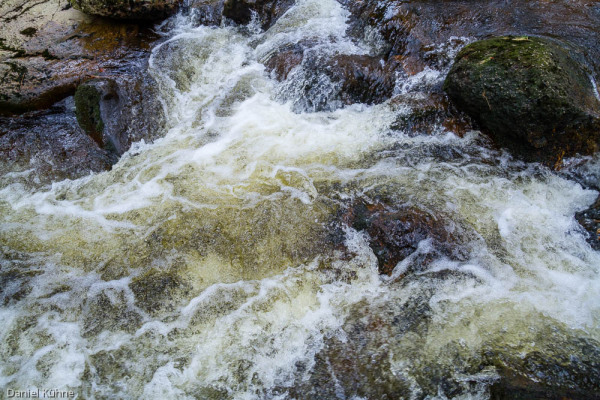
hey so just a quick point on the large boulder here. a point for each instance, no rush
(127, 9)
(529, 94)
(46, 52)
(415, 31)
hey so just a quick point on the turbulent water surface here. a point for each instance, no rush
(215, 262)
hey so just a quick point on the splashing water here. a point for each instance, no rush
(213, 263)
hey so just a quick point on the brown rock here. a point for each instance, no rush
(117, 112)
(61, 48)
(285, 60)
(45, 54)
(352, 78)
(267, 11)
(127, 9)
(590, 221)
(415, 29)
(428, 114)
(396, 233)
(52, 144)
(208, 12)
(364, 79)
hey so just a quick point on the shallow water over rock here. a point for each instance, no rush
(219, 261)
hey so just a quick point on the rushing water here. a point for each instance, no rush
(214, 263)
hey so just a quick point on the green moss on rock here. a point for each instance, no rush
(529, 94)
(87, 109)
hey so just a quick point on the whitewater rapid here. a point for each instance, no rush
(237, 210)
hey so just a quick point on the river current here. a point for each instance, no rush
(214, 263)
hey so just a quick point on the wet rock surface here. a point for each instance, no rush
(70, 140)
(586, 172)
(61, 48)
(529, 95)
(417, 35)
(396, 234)
(281, 63)
(334, 81)
(549, 374)
(415, 30)
(373, 338)
(109, 311)
(267, 11)
(118, 112)
(207, 12)
(590, 221)
(428, 114)
(127, 9)
(362, 79)
(47, 51)
(44, 146)
(157, 290)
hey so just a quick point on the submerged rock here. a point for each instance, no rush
(158, 290)
(207, 12)
(385, 351)
(329, 82)
(590, 221)
(529, 94)
(567, 368)
(109, 311)
(127, 9)
(395, 234)
(267, 11)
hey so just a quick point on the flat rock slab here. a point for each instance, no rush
(47, 48)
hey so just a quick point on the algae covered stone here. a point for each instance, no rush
(529, 94)
(157, 290)
(87, 103)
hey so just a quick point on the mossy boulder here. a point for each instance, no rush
(529, 94)
(127, 9)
